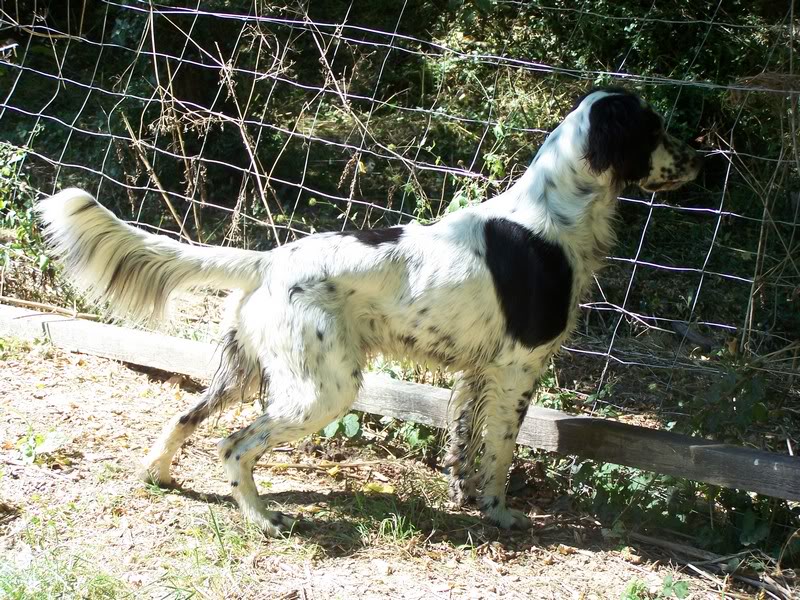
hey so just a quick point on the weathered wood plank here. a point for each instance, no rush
(424, 404)
(664, 452)
(599, 439)
(134, 346)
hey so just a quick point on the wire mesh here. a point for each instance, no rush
(258, 125)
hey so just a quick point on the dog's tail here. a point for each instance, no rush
(133, 270)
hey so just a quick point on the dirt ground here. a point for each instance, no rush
(75, 521)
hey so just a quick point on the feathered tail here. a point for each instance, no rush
(133, 270)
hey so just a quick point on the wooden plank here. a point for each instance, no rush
(664, 452)
(415, 402)
(599, 439)
(134, 346)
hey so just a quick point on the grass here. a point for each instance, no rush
(43, 565)
(51, 575)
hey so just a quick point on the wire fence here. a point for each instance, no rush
(257, 126)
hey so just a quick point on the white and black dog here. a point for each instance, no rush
(490, 291)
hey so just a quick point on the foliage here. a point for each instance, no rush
(53, 576)
(36, 447)
(349, 426)
(419, 440)
(639, 590)
(16, 210)
(722, 520)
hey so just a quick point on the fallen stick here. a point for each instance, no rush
(682, 548)
(49, 308)
(324, 465)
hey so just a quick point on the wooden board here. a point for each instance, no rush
(134, 346)
(599, 439)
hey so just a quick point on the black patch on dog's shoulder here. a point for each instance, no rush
(533, 281)
(376, 237)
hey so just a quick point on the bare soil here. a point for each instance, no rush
(75, 521)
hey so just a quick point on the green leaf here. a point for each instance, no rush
(352, 425)
(760, 412)
(498, 131)
(680, 589)
(332, 429)
(670, 587)
(753, 530)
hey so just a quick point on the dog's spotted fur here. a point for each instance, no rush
(491, 291)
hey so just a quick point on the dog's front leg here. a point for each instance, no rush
(503, 418)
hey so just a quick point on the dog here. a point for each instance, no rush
(490, 291)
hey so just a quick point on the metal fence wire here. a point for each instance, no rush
(256, 123)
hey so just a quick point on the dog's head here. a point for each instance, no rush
(626, 142)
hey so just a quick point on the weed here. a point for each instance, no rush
(12, 348)
(636, 590)
(349, 426)
(639, 590)
(397, 528)
(109, 471)
(16, 210)
(217, 533)
(36, 447)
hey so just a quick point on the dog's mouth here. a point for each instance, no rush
(661, 186)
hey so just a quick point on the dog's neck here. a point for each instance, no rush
(559, 198)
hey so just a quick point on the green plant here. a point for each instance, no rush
(17, 217)
(397, 528)
(12, 347)
(420, 439)
(35, 447)
(735, 401)
(722, 520)
(349, 426)
(636, 590)
(671, 588)
(639, 590)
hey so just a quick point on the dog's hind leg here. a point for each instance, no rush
(236, 379)
(465, 441)
(308, 389)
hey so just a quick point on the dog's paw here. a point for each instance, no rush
(274, 523)
(462, 492)
(155, 474)
(507, 518)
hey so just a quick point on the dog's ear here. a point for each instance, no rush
(623, 132)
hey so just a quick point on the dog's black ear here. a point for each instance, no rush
(622, 135)
(608, 89)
